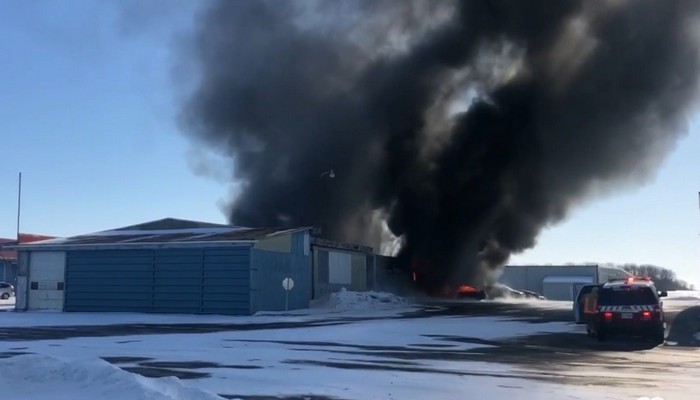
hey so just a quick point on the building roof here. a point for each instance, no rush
(315, 241)
(168, 232)
(11, 255)
(552, 265)
(169, 224)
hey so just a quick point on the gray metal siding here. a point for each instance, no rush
(268, 269)
(515, 277)
(532, 277)
(8, 272)
(300, 243)
(209, 281)
(558, 291)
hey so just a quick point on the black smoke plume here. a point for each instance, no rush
(463, 127)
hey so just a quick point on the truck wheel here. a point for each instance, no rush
(5, 296)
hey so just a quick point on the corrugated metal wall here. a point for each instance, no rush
(269, 268)
(515, 277)
(8, 272)
(208, 281)
(531, 277)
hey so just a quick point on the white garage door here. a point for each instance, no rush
(563, 287)
(339, 268)
(46, 280)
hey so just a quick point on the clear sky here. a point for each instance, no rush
(88, 114)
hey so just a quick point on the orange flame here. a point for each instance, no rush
(466, 289)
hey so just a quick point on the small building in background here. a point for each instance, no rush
(180, 266)
(8, 258)
(8, 262)
(558, 282)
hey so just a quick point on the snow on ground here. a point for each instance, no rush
(346, 359)
(348, 300)
(680, 299)
(683, 295)
(339, 305)
(283, 362)
(34, 377)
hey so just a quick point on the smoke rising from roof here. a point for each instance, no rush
(464, 128)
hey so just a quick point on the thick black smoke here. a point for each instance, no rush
(466, 126)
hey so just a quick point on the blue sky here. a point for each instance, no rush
(88, 114)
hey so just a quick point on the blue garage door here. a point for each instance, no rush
(202, 281)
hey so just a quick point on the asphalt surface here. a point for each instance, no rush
(569, 358)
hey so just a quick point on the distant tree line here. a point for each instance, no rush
(664, 278)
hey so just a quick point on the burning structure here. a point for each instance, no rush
(456, 130)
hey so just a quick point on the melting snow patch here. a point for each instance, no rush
(349, 300)
(31, 377)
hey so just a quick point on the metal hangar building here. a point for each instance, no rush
(558, 282)
(169, 266)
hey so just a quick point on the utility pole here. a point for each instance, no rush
(19, 204)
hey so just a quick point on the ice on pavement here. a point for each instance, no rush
(34, 377)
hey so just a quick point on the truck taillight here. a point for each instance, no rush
(646, 314)
(608, 315)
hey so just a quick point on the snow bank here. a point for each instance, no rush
(349, 300)
(684, 295)
(33, 377)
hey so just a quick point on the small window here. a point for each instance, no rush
(34, 286)
(60, 285)
(4, 285)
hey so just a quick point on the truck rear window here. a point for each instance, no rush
(627, 296)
